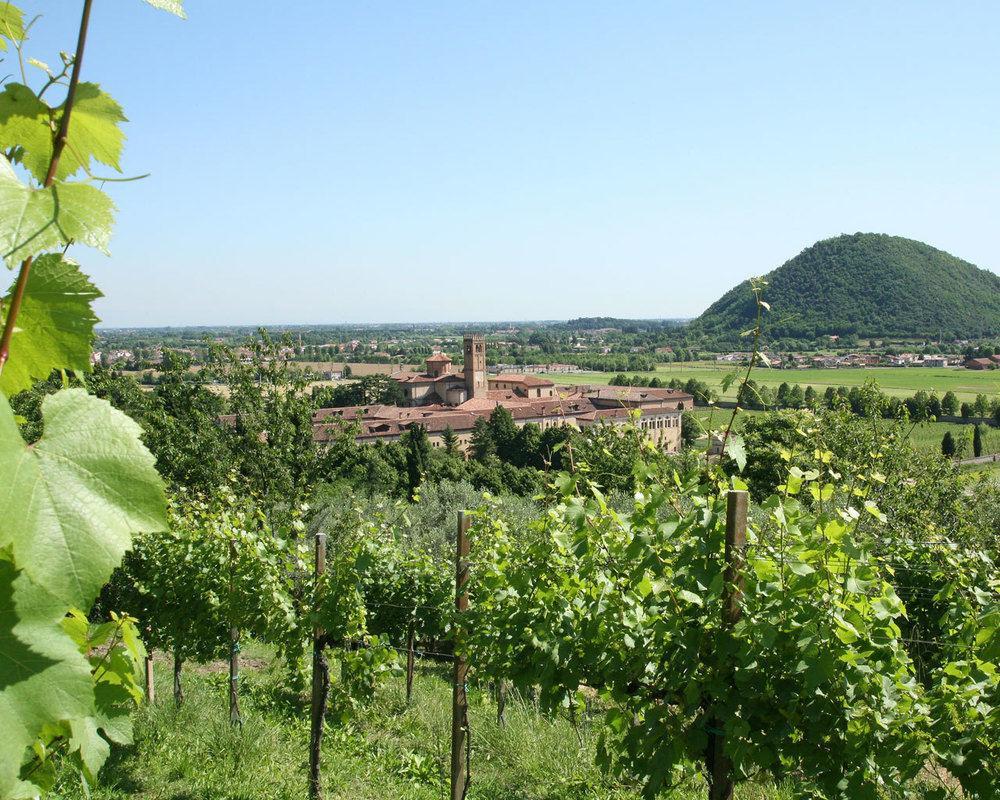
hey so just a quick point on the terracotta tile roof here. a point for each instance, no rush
(637, 394)
(524, 380)
(437, 357)
(423, 377)
(479, 404)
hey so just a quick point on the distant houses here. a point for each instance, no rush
(856, 360)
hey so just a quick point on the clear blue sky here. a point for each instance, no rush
(370, 161)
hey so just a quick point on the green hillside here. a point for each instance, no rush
(869, 284)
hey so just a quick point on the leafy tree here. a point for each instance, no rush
(810, 397)
(553, 446)
(949, 404)
(527, 449)
(503, 431)
(368, 389)
(934, 406)
(271, 443)
(482, 444)
(977, 440)
(948, 444)
(690, 429)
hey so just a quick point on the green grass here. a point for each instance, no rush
(900, 381)
(389, 751)
(926, 436)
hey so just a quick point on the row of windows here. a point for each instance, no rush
(656, 423)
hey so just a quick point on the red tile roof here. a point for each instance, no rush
(524, 380)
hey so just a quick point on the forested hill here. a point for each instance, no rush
(869, 284)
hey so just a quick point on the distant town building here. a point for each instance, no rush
(441, 397)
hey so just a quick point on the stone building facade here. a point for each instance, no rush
(441, 397)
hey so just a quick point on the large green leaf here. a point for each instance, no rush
(29, 125)
(11, 24)
(70, 503)
(55, 325)
(94, 131)
(44, 679)
(26, 126)
(35, 220)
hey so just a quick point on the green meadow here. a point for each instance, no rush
(900, 381)
(925, 436)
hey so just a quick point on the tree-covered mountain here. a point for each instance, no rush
(869, 284)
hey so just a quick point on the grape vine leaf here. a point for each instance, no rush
(26, 128)
(94, 133)
(34, 220)
(43, 676)
(736, 449)
(11, 24)
(71, 501)
(175, 7)
(55, 326)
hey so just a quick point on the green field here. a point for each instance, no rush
(926, 436)
(900, 381)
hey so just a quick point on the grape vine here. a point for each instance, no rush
(70, 502)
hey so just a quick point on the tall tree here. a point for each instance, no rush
(483, 445)
(504, 432)
(450, 440)
(949, 404)
(418, 451)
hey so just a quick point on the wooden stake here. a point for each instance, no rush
(235, 718)
(150, 690)
(459, 701)
(409, 664)
(720, 765)
(320, 685)
(178, 689)
(501, 702)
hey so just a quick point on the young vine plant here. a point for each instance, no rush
(71, 501)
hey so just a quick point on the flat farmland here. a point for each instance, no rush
(925, 436)
(900, 381)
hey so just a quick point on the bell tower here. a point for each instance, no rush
(476, 384)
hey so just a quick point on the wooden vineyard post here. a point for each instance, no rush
(320, 684)
(150, 690)
(178, 688)
(409, 664)
(501, 702)
(459, 701)
(721, 767)
(235, 718)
